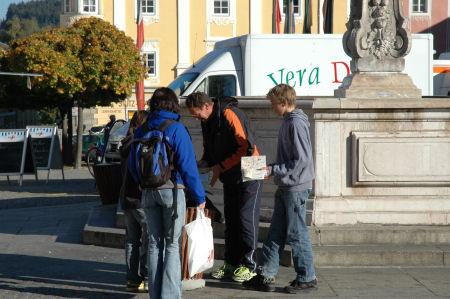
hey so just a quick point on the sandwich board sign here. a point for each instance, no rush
(45, 149)
(15, 154)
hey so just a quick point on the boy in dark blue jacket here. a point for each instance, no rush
(164, 270)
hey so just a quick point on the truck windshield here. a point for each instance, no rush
(182, 82)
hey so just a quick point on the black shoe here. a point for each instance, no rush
(260, 283)
(298, 286)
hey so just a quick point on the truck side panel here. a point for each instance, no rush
(315, 65)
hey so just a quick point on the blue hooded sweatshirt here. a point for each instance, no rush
(293, 169)
(186, 171)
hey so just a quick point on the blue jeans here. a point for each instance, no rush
(288, 226)
(136, 245)
(164, 266)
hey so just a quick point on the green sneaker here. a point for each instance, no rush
(242, 274)
(226, 271)
(143, 287)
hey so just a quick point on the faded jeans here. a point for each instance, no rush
(136, 245)
(288, 226)
(164, 266)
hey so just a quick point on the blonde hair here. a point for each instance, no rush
(283, 94)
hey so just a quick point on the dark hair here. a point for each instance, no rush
(139, 117)
(164, 99)
(197, 100)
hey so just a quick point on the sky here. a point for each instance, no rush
(4, 4)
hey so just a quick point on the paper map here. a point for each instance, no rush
(253, 168)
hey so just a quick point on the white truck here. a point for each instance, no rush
(441, 72)
(313, 64)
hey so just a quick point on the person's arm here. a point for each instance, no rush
(300, 150)
(186, 165)
(240, 137)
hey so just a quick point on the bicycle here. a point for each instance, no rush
(96, 154)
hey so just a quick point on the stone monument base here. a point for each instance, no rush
(382, 85)
(381, 161)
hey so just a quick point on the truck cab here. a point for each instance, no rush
(218, 73)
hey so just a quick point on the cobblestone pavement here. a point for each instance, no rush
(41, 255)
(78, 186)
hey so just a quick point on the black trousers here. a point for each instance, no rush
(242, 207)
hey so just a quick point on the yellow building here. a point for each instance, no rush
(179, 32)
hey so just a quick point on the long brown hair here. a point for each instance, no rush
(139, 117)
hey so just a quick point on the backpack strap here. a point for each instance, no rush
(165, 124)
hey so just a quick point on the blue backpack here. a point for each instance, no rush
(151, 158)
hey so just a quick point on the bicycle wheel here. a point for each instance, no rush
(93, 157)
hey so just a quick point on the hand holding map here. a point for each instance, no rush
(253, 168)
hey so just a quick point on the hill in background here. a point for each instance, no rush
(23, 19)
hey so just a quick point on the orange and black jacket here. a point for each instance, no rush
(226, 138)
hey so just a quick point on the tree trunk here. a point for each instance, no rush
(66, 134)
(70, 135)
(79, 138)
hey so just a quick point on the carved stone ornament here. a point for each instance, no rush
(377, 38)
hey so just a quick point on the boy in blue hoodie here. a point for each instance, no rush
(293, 172)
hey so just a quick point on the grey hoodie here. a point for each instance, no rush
(294, 166)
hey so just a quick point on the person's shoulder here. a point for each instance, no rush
(176, 127)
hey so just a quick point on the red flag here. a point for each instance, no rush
(276, 17)
(139, 42)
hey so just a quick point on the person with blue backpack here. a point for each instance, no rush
(162, 161)
(136, 237)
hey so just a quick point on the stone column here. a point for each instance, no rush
(184, 45)
(119, 14)
(381, 151)
(255, 16)
(377, 41)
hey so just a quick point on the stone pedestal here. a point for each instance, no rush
(378, 85)
(382, 161)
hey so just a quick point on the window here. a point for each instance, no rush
(201, 87)
(67, 6)
(148, 7)
(224, 85)
(182, 83)
(90, 6)
(419, 6)
(296, 5)
(150, 63)
(222, 7)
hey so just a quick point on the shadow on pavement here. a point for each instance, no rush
(61, 277)
(69, 186)
(42, 201)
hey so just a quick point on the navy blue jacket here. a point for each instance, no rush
(186, 171)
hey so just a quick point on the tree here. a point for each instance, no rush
(88, 64)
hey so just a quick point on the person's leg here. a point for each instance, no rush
(132, 245)
(231, 194)
(139, 215)
(273, 246)
(298, 239)
(269, 260)
(171, 280)
(249, 210)
(153, 214)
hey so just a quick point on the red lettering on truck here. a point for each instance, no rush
(335, 65)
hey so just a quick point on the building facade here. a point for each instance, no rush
(430, 16)
(179, 32)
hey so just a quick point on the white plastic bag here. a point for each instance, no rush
(200, 244)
